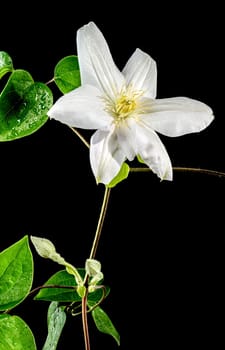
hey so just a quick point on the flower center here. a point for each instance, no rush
(124, 105)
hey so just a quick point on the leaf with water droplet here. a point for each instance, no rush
(16, 274)
(67, 74)
(15, 334)
(6, 64)
(23, 106)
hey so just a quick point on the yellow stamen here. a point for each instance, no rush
(124, 106)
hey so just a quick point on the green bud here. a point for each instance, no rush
(81, 290)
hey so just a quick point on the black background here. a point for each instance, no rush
(162, 247)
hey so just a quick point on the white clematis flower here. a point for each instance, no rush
(123, 108)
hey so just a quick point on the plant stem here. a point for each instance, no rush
(50, 286)
(93, 249)
(85, 323)
(185, 169)
(200, 170)
(92, 255)
(50, 81)
(100, 222)
(80, 136)
(104, 205)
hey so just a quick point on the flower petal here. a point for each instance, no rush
(95, 61)
(153, 152)
(81, 108)
(141, 73)
(126, 137)
(178, 116)
(105, 156)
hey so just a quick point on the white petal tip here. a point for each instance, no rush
(166, 178)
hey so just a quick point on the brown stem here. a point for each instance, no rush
(85, 323)
(185, 169)
(50, 286)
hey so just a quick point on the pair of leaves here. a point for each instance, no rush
(16, 277)
(24, 103)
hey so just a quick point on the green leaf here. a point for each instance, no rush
(60, 278)
(104, 324)
(63, 278)
(16, 274)
(6, 64)
(67, 74)
(23, 106)
(122, 175)
(56, 322)
(15, 334)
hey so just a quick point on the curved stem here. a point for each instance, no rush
(100, 222)
(185, 169)
(80, 136)
(85, 323)
(104, 205)
(51, 286)
(200, 170)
